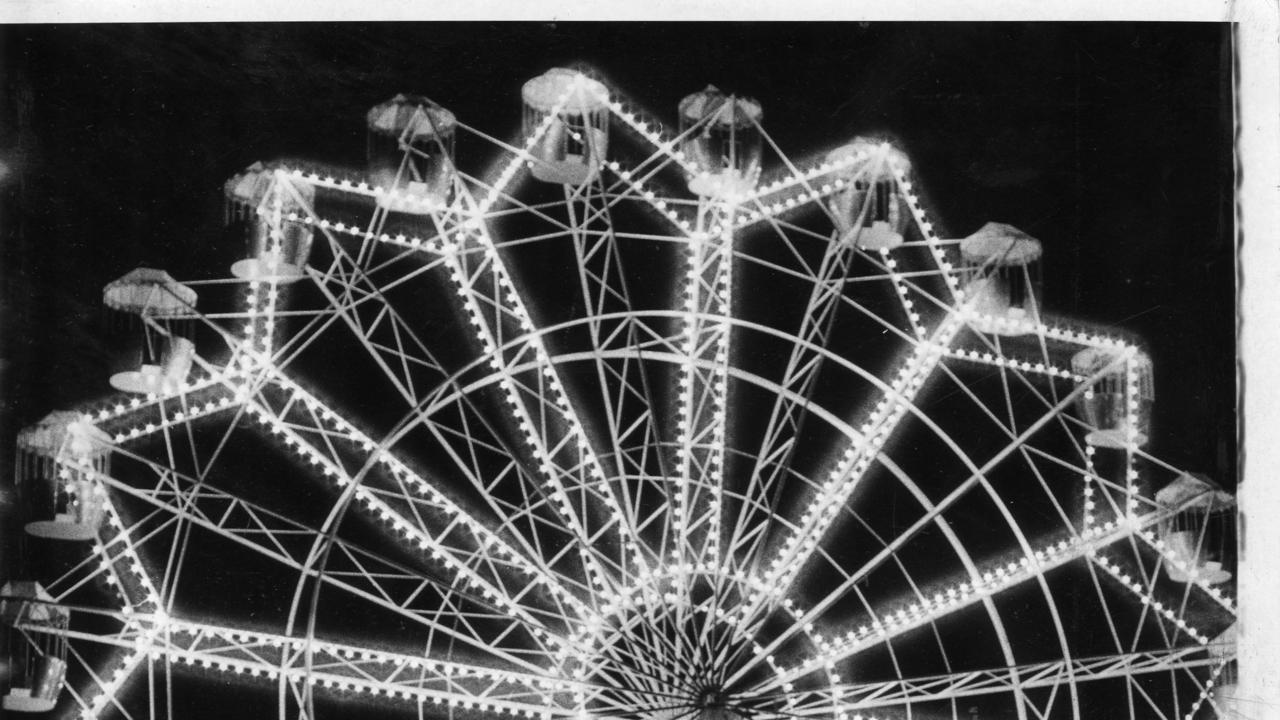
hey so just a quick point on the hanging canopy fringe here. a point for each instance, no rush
(149, 292)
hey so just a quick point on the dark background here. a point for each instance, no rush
(1111, 143)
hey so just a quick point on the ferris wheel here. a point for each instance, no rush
(619, 426)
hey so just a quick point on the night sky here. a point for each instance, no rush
(1111, 143)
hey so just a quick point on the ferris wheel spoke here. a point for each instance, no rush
(1031, 566)
(889, 412)
(1034, 458)
(132, 420)
(535, 510)
(940, 688)
(1121, 360)
(925, 356)
(523, 508)
(324, 665)
(1007, 426)
(626, 400)
(693, 533)
(391, 343)
(402, 367)
(362, 301)
(386, 584)
(850, 580)
(786, 416)
(411, 505)
(1023, 371)
(936, 603)
(657, 354)
(560, 445)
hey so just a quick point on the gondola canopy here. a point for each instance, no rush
(64, 431)
(411, 115)
(1001, 244)
(1195, 491)
(150, 292)
(713, 107)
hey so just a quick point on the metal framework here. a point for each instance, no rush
(801, 478)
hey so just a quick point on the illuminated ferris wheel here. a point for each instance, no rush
(613, 428)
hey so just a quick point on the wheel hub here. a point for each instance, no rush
(682, 645)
